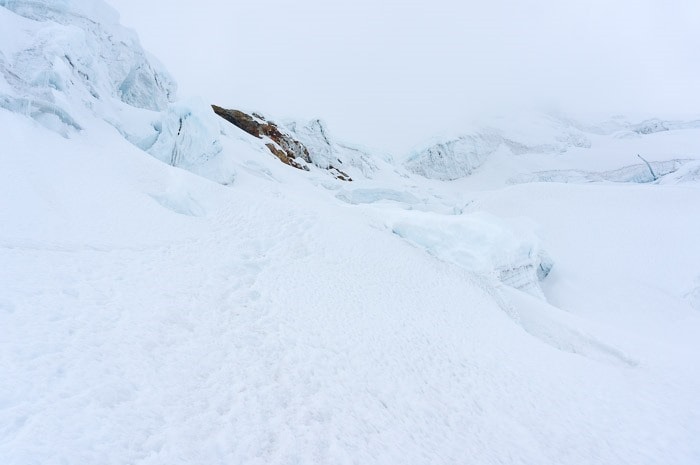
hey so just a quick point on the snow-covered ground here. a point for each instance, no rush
(255, 313)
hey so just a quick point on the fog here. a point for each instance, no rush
(391, 74)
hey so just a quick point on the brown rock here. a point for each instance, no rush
(281, 144)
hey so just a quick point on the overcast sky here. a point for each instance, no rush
(392, 73)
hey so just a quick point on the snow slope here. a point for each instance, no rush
(149, 315)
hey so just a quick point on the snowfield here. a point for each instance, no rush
(220, 307)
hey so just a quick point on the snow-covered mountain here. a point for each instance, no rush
(170, 292)
(459, 156)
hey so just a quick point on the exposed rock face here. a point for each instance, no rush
(289, 150)
(278, 140)
(283, 146)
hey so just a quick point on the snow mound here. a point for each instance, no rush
(179, 202)
(559, 329)
(483, 244)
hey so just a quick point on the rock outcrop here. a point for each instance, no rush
(289, 150)
(277, 140)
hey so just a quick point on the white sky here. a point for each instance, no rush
(393, 73)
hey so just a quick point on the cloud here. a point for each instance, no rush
(393, 73)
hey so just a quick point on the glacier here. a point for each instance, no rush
(520, 292)
(483, 244)
(72, 61)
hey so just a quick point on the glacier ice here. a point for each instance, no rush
(63, 63)
(80, 49)
(634, 173)
(144, 87)
(188, 135)
(363, 196)
(48, 114)
(689, 172)
(479, 242)
(327, 153)
(455, 158)
(452, 158)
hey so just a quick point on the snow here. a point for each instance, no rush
(64, 52)
(690, 172)
(455, 158)
(188, 135)
(524, 136)
(149, 315)
(693, 296)
(70, 62)
(483, 244)
(326, 152)
(641, 173)
(359, 196)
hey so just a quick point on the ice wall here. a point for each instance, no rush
(508, 251)
(68, 63)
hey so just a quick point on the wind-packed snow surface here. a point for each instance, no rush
(170, 293)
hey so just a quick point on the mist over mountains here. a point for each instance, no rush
(392, 74)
